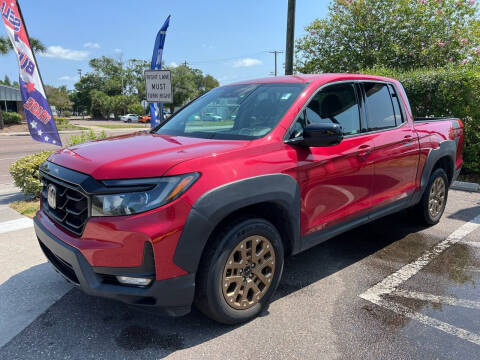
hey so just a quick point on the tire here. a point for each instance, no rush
(428, 211)
(129, 121)
(215, 296)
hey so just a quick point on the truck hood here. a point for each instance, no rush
(138, 155)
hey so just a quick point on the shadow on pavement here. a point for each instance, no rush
(5, 199)
(80, 326)
(466, 214)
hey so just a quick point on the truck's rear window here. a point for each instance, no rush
(248, 111)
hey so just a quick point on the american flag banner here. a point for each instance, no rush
(37, 110)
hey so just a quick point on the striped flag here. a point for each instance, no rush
(37, 110)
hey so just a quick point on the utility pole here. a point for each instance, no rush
(275, 52)
(290, 38)
(185, 63)
(79, 71)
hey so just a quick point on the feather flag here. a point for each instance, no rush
(157, 65)
(37, 110)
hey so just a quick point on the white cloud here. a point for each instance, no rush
(67, 54)
(246, 62)
(117, 50)
(173, 64)
(68, 78)
(91, 45)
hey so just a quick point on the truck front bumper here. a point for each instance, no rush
(172, 296)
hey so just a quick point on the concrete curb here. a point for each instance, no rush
(466, 186)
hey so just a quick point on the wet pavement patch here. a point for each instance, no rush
(135, 338)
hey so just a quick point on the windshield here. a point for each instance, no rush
(248, 111)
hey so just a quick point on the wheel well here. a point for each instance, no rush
(446, 164)
(270, 211)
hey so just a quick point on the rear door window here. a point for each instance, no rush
(380, 112)
(396, 105)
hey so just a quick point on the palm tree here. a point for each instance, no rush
(6, 45)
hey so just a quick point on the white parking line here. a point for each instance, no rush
(17, 224)
(427, 320)
(449, 300)
(390, 284)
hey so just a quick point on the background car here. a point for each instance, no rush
(145, 119)
(129, 118)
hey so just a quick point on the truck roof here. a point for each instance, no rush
(307, 78)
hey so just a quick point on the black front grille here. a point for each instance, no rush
(71, 210)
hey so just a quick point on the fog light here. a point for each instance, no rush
(127, 280)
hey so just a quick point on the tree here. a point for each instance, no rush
(112, 87)
(402, 34)
(81, 96)
(6, 46)
(188, 83)
(101, 104)
(184, 86)
(136, 109)
(59, 97)
(6, 81)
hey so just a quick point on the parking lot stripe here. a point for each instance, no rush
(389, 285)
(427, 320)
(391, 282)
(439, 299)
(17, 224)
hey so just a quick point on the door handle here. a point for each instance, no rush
(407, 139)
(364, 150)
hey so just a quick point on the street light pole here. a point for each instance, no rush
(290, 38)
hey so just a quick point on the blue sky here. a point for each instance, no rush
(228, 39)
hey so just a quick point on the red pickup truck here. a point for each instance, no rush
(202, 211)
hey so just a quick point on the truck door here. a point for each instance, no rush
(396, 151)
(335, 182)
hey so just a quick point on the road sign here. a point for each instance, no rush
(144, 104)
(158, 84)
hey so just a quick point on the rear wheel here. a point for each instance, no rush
(432, 205)
(240, 271)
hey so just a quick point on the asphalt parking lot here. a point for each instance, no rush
(387, 290)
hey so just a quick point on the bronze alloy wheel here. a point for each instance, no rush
(436, 198)
(248, 272)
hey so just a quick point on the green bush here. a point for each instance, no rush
(85, 136)
(67, 113)
(450, 91)
(26, 175)
(136, 109)
(11, 118)
(62, 121)
(25, 171)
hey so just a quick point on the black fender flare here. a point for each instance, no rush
(446, 148)
(216, 204)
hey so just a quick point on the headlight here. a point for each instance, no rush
(164, 191)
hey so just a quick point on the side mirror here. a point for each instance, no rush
(319, 135)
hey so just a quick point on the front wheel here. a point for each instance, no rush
(240, 271)
(432, 205)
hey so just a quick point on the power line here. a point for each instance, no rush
(275, 52)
